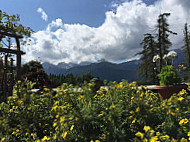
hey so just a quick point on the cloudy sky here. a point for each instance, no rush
(90, 30)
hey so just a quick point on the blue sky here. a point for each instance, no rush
(89, 12)
(90, 30)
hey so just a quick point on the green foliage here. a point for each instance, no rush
(57, 80)
(10, 24)
(146, 68)
(169, 76)
(34, 72)
(119, 112)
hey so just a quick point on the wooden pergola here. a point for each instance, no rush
(9, 68)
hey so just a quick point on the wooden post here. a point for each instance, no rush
(5, 74)
(1, 76)
(12, 76)
(18, 56)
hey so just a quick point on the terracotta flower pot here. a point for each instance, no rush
(165, 92)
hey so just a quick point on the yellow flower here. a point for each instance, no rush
(188, 134)
(54, 124)
(180, 98)
(81, 97)
(3, 139)
(137, 109)
(172, 113)
(145, 140)
(182, 92)
(70, 118)
(120, 85)
(64, 135)
(55, 137)
(139, 134)
(76, 119)
(100, 114)
(151, 132)
(57, 102)
(132, 98)
(134, 121)
(45, 138)
(146, 128)
(89, 84)
(37, 141)
(56, 128)
(183, 121)
(62, 119)
(157, 133)
(164, 137)
(154, 139)
(113, 106)
(97, 140)
(131, 112)
(54, 108)
(71, 127)
(19, 81)
(46, 89)
(183, 140)
(57, 116)
(13, 133)
(11, 110)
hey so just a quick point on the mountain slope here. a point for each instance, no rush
(104, 70)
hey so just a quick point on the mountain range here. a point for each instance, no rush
(103, 69)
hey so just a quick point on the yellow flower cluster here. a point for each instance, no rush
(183, 121)
(109, 113)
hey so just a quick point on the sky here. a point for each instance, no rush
(90, 30)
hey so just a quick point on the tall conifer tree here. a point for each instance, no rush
(187, 45)
(164, 43)
(146, 69)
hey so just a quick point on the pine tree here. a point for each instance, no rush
(164, 43)
(187, 45)
(146, 70)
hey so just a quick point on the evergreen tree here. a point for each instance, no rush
(187, 45)
(57, 80)
(164, 43)
(146, 70)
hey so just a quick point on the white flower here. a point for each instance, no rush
(165, 57)
(172, 54)
(155, 58)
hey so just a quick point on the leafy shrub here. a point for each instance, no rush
(169, 76)
(118, 113)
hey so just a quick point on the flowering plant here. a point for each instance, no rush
(168, 74)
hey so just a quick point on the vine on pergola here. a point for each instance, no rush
(11, 29)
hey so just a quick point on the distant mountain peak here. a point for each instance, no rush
(64, 65)
(84, 63)
(102, 60)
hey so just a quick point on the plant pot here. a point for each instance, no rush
(165, 92)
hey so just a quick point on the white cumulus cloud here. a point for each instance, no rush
(43, 14)
(117, 39)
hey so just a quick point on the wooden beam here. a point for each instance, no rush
(6, 50)
(10, 34)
